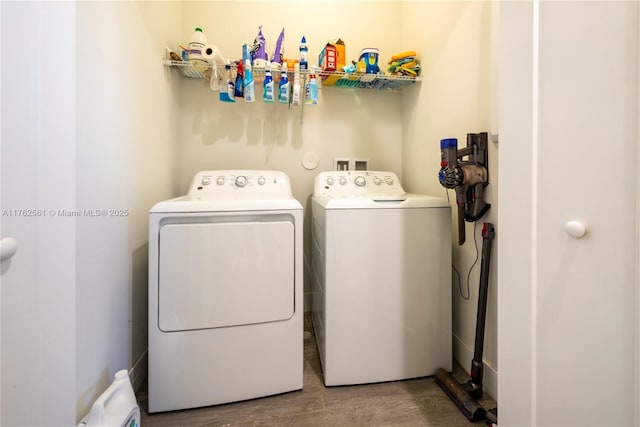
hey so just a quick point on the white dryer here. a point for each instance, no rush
(225, 291)
(381, 285)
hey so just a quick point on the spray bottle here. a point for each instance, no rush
(304, 52)
(249, 89)
(267, 85)
(311, 91)
(229, 94)
(283, 87)
(295, 96)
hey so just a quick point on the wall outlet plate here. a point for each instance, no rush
(350, 164)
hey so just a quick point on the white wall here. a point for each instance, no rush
(569, 138)
(346, 123)
(127, 121)
(455, 98)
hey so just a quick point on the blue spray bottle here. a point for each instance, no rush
(267, 85)
(249, 89)
(229, 94)
(304, 53)
(283, 87)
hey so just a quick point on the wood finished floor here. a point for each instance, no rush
(410, 403)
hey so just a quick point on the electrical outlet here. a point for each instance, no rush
(351, 164)
(342, 164)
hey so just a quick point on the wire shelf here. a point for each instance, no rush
(379, 81)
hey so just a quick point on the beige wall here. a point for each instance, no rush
(456, 97)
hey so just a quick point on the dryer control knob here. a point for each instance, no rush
(241, 181)
(329, 181)
(220, 180)
(388, 180)
(343, 181)
(377, 180)
(261, 180)
(360, 181)
(206, 180)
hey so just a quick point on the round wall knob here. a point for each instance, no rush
(575, 229)
(8, 247)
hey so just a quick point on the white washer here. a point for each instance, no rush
(225, 291)
(381, 262)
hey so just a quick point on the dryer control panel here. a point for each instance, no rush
(234, 183)
(357, 184)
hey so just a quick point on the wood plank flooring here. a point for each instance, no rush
(414, 403)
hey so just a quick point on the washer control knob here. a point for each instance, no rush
(241, 181)
(360, 181)
(206, 180)
(220, 180)
(261, 180)
(377, 180)
(330, 181)
(388, 180)
(343, 181)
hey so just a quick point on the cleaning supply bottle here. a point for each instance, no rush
(304, 54)
(116, 406)
(239, 86)
(283, 87)
(246, 51)
(249, 89)
(267, 85)
(295, 94)
(311, 91)
(197, 44)
(229, 94)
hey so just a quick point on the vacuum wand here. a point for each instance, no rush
(464, 395)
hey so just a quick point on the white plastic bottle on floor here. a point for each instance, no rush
(116, 407)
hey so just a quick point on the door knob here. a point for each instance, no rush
(8, 247)
(575, 229)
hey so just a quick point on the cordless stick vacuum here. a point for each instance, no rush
(465, 171)
(467, 177)
(465, 395)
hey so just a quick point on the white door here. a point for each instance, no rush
(37, 175)
(568, 312)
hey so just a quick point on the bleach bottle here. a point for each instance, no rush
(196, 47)
(116, 407)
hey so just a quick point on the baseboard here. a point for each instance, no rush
(463, 354)
(139, 370)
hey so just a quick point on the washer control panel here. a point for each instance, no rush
(357, 184)
(233, 183)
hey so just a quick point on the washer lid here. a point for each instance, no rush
(403, 201)
(368, 190)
